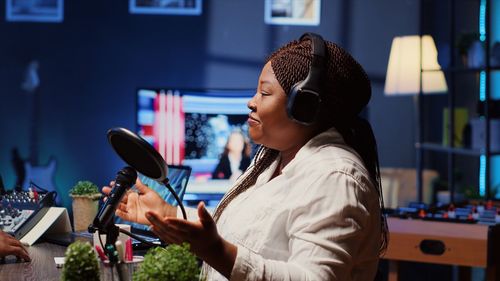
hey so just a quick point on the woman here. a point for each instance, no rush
(309, 206)
(235, 158)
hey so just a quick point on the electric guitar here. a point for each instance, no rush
(41, 175)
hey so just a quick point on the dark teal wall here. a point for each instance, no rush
(92, 63)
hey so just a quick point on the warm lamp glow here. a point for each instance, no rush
(403, 72)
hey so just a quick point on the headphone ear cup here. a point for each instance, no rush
(303, 105)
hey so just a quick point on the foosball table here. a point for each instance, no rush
(466, 237)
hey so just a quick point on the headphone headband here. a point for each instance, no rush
(304, 100)
(317, 43)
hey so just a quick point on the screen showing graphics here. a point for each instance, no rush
(178, 178)
(193, 127)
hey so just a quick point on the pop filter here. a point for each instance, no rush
(142, 156)
(138, 153)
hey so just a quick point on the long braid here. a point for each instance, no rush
(359, 135)
(346, 90)
(263, 159)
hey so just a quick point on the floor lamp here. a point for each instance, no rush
(413, 69)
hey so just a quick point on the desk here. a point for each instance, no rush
(462, 244)
(41, 267)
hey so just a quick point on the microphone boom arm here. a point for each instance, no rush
(166, 182)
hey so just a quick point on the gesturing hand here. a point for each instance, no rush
(134, 205)
(10, 246)
(202, 236)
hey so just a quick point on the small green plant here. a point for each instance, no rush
(80, 263)
(85, 188)
(173, 263)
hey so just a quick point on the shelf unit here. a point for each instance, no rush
(450, 150)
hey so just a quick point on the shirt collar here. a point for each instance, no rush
(328, 137)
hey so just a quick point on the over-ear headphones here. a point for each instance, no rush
(304, 100)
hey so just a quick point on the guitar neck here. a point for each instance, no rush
(34, 127)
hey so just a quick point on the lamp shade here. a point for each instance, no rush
(404, 69)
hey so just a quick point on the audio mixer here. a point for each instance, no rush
(21, 211)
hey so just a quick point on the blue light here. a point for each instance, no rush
(482, 20)
(482, 86)
(482, 95)
(482, 175)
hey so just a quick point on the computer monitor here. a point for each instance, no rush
(178, 176)
(191, 127)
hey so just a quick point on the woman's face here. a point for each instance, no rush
(268, 121)
(236, 142)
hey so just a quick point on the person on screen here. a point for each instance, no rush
(234, 159)
(309, 207)
(10, 246)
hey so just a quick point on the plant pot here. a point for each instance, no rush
(85, 209)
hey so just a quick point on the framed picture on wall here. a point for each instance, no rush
(166, 7)
(34, 10)
(292, 12)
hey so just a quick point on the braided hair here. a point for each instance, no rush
(263, 159)
(346, 90)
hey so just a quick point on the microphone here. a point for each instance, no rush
(125, 179)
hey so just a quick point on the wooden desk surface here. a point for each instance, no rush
(41, 267)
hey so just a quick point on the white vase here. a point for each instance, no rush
(84, 211)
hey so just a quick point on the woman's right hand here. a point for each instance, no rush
(134, 205)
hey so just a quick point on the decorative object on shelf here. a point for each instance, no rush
(476, 55)
(478, 133)
(495, 55)
(461, 117)
(80, 263)
(166, 7)
(441, 190)
(404, 72)
(304, 12)
(173, 263)
(463, 44)
(35, 11)
(85, 195)
(471, 192)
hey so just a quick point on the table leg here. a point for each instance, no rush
(464, 273)
(492, 273)
(393, 270)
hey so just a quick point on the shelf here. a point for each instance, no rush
(454, 150)
(461, 80)
(464, 69)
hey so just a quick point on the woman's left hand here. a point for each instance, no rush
(201, 235)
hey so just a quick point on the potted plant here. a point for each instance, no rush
(80, 263)
(173, 263)
(85, 196)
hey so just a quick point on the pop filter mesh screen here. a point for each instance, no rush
(139, 155)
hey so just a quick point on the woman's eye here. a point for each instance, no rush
(264, 93)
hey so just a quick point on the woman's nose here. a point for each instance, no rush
(251, 104)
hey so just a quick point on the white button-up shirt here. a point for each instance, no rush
(318, 220)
